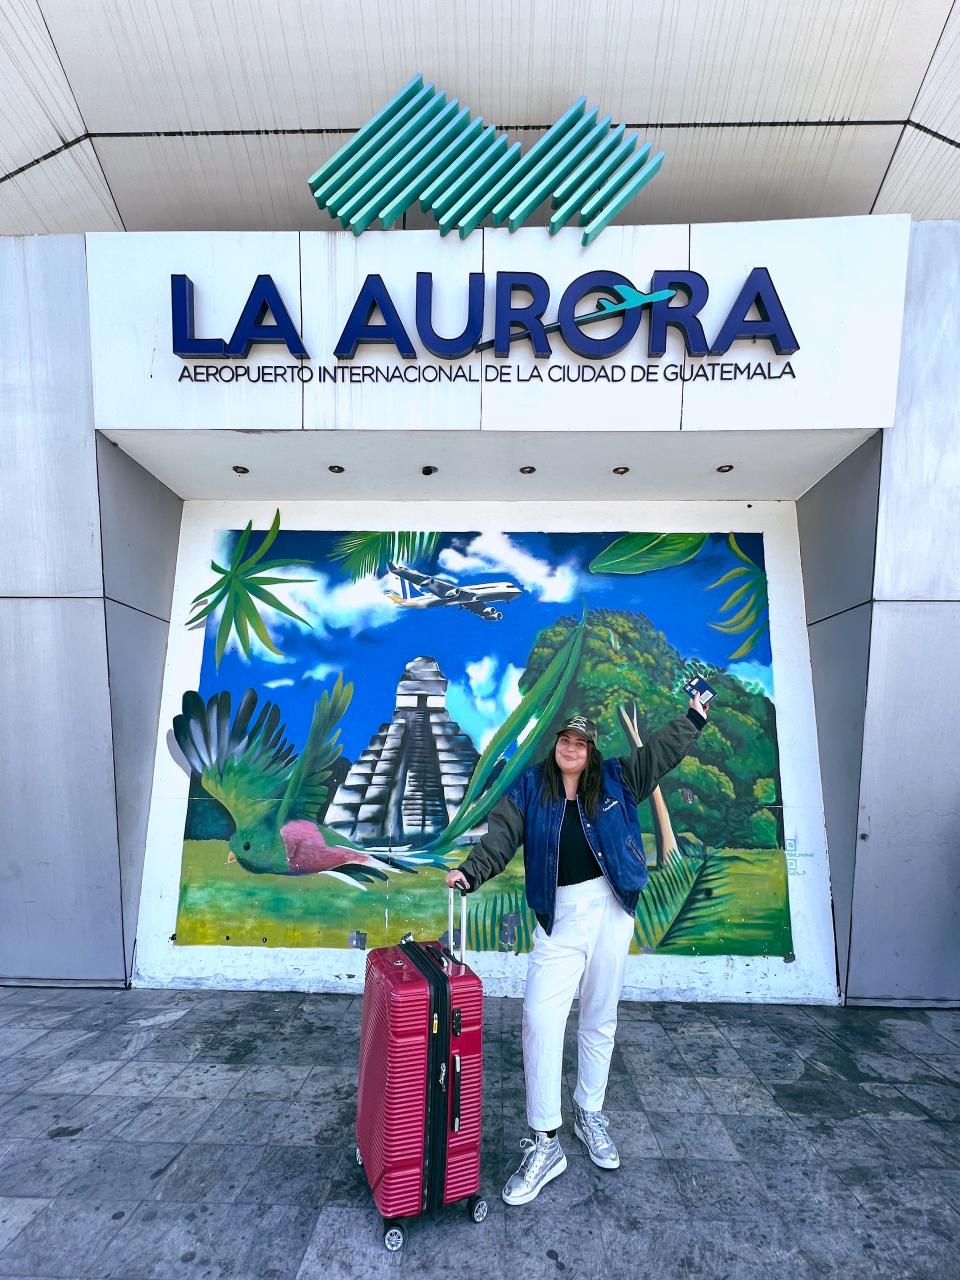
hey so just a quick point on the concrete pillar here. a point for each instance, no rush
(83, 615)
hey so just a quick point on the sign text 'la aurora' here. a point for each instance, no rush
(521, 301)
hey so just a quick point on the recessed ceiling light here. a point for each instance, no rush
(527, 471)
(242, 471)
(337, 471)
(620, 471)
(727, 466)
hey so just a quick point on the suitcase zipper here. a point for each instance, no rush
(438, 1052)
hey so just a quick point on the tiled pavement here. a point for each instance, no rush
(210, 1134)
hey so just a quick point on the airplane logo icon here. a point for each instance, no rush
(434, 592)
(630, 300)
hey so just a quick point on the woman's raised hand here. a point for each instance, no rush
(457, 880)
(701, 708)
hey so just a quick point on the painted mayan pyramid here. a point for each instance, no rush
(408, 781)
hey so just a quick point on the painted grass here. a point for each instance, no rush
(223, 905)
(739, 908)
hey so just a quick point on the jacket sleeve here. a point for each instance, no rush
(504, 836)
(663, 751)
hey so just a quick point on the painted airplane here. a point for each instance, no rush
(437, 591)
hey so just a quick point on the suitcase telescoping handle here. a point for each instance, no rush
(463, 922)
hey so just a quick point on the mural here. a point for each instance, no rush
(364, 698)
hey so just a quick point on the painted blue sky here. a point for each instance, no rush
(356, 629)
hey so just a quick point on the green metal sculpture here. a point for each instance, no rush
(422, 147)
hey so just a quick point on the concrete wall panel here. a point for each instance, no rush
(48, 483)
(136, 646)
(918, 532)
(837, 519)
(58, 830)
(140, 527)
(906, 900)
(839, 647)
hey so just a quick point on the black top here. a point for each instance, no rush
(577, 862)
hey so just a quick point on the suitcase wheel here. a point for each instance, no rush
(477, 1208)
(359, 1157)
(393, 1236)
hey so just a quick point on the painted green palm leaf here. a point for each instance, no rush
(366, 553)
(668, 889)
(528, 708)
(647, 552)
(725, 903)
(749, 643)
(703, 902)
(485, 917)
(751, 617)
(238, 586)
(308, 784)
(539, 704)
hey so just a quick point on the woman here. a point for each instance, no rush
(576, 817)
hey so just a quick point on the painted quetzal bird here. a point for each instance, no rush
(273, 795)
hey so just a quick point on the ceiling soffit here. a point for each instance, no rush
(763, 111)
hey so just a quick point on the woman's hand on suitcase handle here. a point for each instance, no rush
(457, 880)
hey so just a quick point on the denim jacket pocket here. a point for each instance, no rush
(636, 850)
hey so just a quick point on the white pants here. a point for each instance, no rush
(588, 948)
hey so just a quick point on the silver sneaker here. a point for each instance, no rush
(543, 1160)
(591, 1128)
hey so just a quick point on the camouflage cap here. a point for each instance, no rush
(580, 724)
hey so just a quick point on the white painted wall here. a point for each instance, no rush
(811, 977)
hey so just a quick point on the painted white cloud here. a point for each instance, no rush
(482, 702)
(352, 605)
(755, 672)
(321, 671)
(495, 553)
(279, 684)
(481, 675)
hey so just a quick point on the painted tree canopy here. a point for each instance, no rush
(714, 791)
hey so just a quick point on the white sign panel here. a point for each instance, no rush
(775, 325)
(138, 380)
(842, 282)
(566, 390)
(379, 389)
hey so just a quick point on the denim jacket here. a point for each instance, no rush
(528, 815)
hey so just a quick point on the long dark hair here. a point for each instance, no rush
(589, 785)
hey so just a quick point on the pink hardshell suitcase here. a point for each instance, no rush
(421, 1080)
